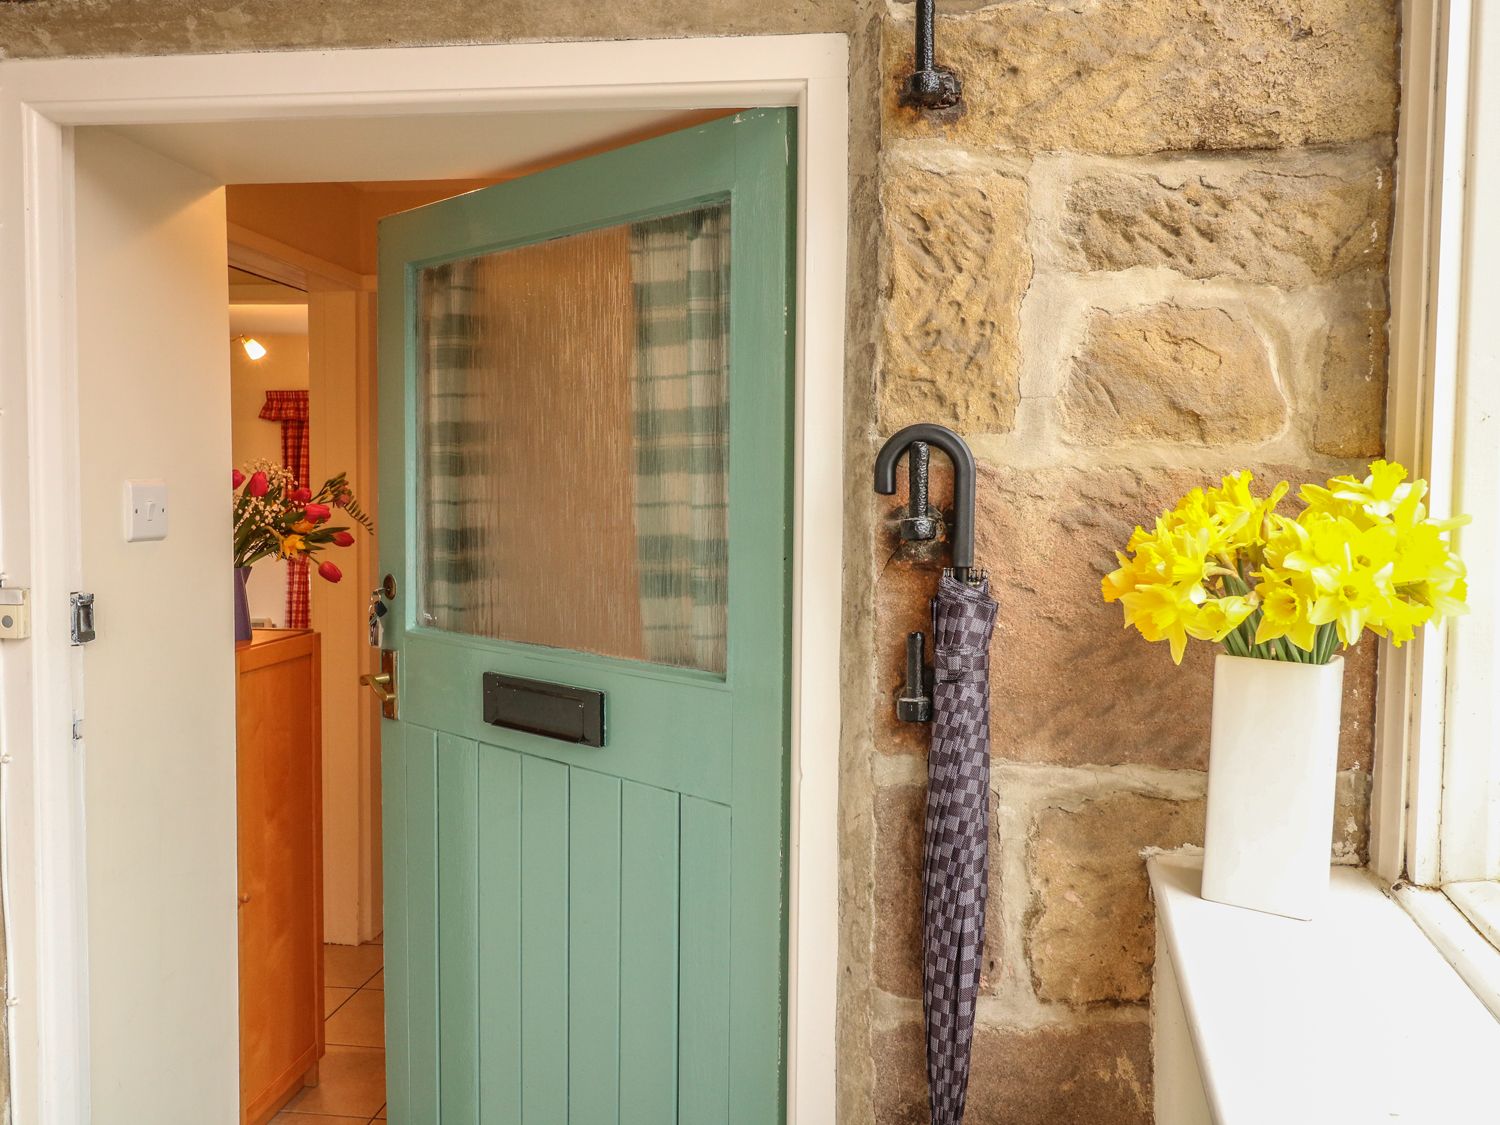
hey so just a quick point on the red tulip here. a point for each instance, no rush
(259, 484)
(343, 539)
(318, 513)
(329, 571)
(299, 495)
(237, 477)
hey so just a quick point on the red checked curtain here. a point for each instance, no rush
(290, 409)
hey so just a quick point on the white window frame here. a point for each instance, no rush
(42, 814)
(1436, 808)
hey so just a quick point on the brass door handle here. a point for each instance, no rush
(384, 683)
(379, 683)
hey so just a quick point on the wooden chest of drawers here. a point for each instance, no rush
(280, 869)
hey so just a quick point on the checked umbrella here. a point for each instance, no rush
(955, 856)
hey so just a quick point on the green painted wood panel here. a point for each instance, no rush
(760, 657)
(458, 926)
(393, 755)
(499, 862)
(704, 972)
(698, 762)
(422, 925)
(648, 955)
(594, 949)
(544, 940)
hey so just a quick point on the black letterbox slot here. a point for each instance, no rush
(568, 714)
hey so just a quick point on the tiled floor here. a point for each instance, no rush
(351, 1079)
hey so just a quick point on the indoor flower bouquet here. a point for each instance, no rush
(274, 516)
(1281, 593)
(1225, 566)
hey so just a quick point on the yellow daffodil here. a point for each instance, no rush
(1400, 618)
(1223, 565)
(1244, 516)
(292, 546)
(1218, 617)
(1283, 613)
(1443, 593)
(1161, 612)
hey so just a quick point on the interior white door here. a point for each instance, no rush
(153, 361)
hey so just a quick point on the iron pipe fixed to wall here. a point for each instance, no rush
(930, 86)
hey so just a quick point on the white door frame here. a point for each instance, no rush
(42, 816)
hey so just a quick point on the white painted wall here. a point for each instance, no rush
(160, 772)
(341, 442)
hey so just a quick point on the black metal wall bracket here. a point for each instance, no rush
(914, 700)
(929, 86)
(920, 522)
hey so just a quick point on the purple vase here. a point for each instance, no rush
(242, 631)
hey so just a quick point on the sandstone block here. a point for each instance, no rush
(1351, 818)
(900, 812)
(1091, 929)
(1352, 383)
(1084, 1075)
(1069, 685)
(1285, 220)
(959, 265)
(164, 27)
(1171, 373)
(1138, 76)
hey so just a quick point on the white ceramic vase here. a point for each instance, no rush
(1272, 770)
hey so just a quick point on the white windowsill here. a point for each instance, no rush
(1462, 925)
(1354, 1017)
(1480, 903)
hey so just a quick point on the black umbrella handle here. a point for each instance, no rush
(961, 534)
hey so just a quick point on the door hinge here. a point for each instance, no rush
(83, 617)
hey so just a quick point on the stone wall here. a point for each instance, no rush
(1150, 249)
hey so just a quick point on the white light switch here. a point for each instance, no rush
(145, 510)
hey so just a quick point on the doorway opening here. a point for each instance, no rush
(118, 385)
(302, 317)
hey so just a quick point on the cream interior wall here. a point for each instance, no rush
(352, 904)
(283, 368)
(159, 730)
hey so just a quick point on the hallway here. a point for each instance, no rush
(351, 1086)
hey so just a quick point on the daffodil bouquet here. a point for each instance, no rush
(1225, 566)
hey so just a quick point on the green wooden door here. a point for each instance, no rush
(584, 430)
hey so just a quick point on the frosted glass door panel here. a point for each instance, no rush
(573, 439)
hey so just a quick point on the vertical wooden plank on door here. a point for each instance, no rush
(397, 977)
(422, 924)
(499, 937)
(458, 922)
(703, 1079)
(648, 955)
(594, 950)
(544, 941)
